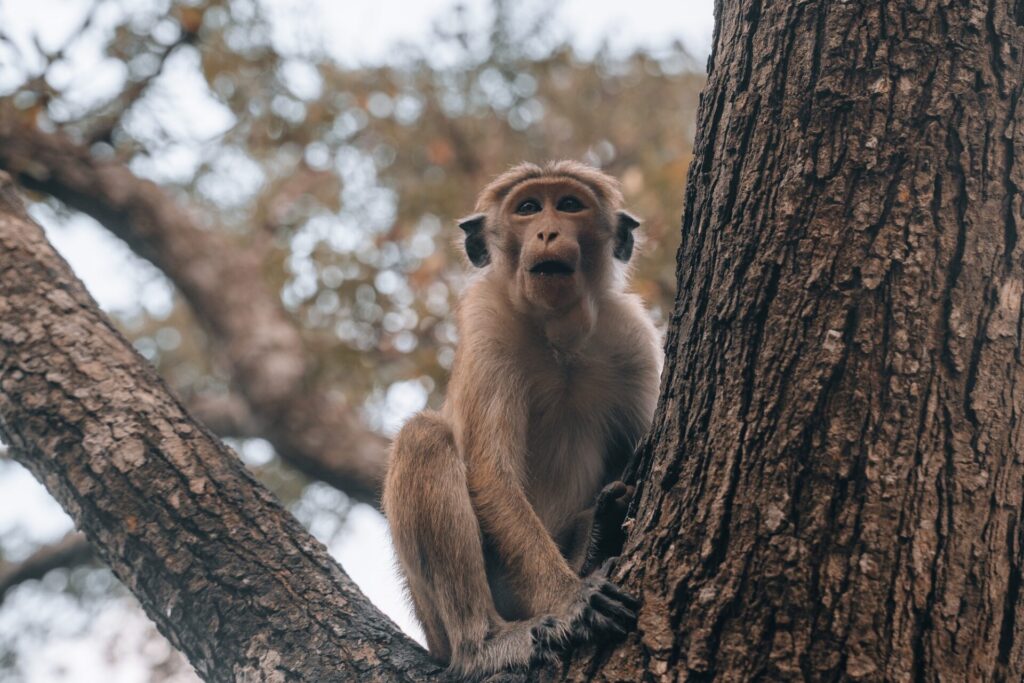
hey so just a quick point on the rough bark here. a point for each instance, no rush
(833, 485)
(226, 573)
(225, 286)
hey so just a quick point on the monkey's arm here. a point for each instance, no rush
(488, 409)
(570, 609)
(494, 462)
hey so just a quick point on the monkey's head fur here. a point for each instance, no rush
(555, 233)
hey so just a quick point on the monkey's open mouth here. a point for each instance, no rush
(552, 267)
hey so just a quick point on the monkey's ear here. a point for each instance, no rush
(624, 236)
(476, 243)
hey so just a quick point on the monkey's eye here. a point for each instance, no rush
(569, 204)
(528, 206)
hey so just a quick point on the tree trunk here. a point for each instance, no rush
(231, 578)
(833, 485)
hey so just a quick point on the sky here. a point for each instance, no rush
(357, 28)
(353, 33)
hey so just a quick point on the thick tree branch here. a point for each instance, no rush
(227, 575)
(313, 429)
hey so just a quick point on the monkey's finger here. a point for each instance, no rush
(614, 490)
(620, 503)
(544, 655)
(614, 609)
(548, 633)
(611, 590)
(626, 496)
(609, 496)
(599, 624)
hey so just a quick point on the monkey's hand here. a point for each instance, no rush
(601, 610)
(606, 534)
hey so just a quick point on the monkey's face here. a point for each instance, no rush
(554, 239)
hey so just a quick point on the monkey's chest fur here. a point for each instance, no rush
(584, 420)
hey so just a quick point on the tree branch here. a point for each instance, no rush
(226, 414)
(224, 571)
(109, 115)
(313, 429)
(70, 551)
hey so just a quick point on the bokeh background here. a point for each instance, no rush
(345, 138)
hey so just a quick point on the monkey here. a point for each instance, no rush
(490, 501)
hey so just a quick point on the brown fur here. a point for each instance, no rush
(555, 380)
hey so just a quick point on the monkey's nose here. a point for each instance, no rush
(547, 237)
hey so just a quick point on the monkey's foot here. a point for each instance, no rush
(607, 535)
(507, 651)
(602, 610)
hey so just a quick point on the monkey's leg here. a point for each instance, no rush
(438, 541)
